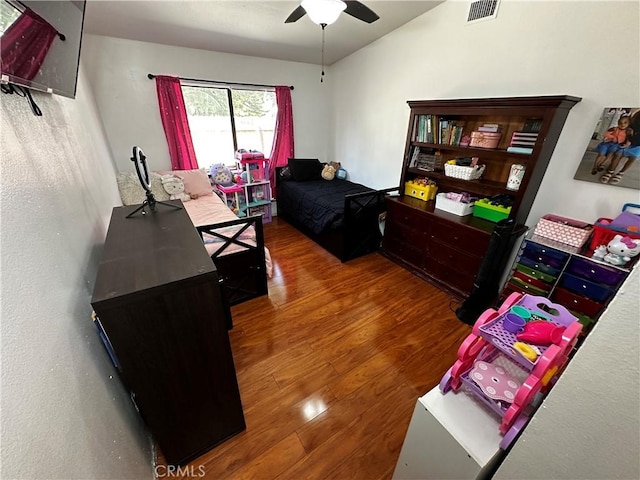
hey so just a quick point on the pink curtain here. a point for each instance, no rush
(282, 148)
(25, 44)
(175, 123)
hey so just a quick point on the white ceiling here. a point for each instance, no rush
(253, 28)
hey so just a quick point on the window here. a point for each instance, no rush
(8, 15)
(223, 120)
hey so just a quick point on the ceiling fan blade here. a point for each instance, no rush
(296, 15)
(361, 12)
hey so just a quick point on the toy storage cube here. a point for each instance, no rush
(264, 210)
(255, 168)
(233, 196)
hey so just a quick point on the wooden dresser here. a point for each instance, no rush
(434, 244)
(162, 319)
(448, 249)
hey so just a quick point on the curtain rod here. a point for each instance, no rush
(151, 76)
(61, 36)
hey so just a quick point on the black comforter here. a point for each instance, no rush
(317, 204)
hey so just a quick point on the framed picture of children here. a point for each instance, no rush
(613, 153)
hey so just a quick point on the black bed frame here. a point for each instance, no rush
(360, 231)
(243, 274)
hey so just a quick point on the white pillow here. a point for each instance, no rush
(132, 193)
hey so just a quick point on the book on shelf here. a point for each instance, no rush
(414, 157)
(489, 128)
(533, 125)
(427, 161)
(523, 139)
(525, 150)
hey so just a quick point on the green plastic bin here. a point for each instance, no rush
(494, 213)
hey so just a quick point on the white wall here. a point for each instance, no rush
(532, 48)
(588, 426)
(65, 414)
(128, 103)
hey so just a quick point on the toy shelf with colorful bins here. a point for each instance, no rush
(568, 275)
(256, 189)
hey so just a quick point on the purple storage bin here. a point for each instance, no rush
(597, 273)
(628, 220)
(548, 256)
(595, 291)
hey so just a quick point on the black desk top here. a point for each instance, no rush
(147, 251)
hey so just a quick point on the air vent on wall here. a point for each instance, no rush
(483, 10)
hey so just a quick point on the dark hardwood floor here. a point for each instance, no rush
(330, 365)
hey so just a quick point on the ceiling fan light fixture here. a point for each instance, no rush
(323, 12)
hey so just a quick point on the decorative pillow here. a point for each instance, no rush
(328, 172)
(305, 169)
(196, 182)
(132, 193)
(285, 173)
(221, 175)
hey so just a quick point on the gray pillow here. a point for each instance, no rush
(132, 193)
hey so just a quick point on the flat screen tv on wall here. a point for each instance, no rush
(40, 44)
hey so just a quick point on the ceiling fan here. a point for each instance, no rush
(325, 12)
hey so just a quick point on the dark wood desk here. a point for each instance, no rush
(158, 303)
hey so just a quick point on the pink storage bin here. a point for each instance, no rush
(485, 139)
(564, 230)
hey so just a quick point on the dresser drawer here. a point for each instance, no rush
(460, 237)
(407, 233)
(532, 272)
(456, 260)
(448, 274)
(581, 267)
(548, 256)
(545, 287)
(598, 292)
(406, 251)
(577, 302)
(528, 262)
(404, 215)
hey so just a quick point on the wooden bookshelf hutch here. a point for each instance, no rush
(447, 249)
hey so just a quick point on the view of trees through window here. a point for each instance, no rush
(8, 15)
(209, 112)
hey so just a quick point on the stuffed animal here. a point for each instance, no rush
(620, 250)
(221, 175)
(174, 186)
(328, 172)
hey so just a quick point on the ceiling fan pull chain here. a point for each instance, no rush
(322, 75)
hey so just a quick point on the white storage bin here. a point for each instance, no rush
(451, 206)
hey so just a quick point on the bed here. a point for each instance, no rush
(235, 245)
(341, 216)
